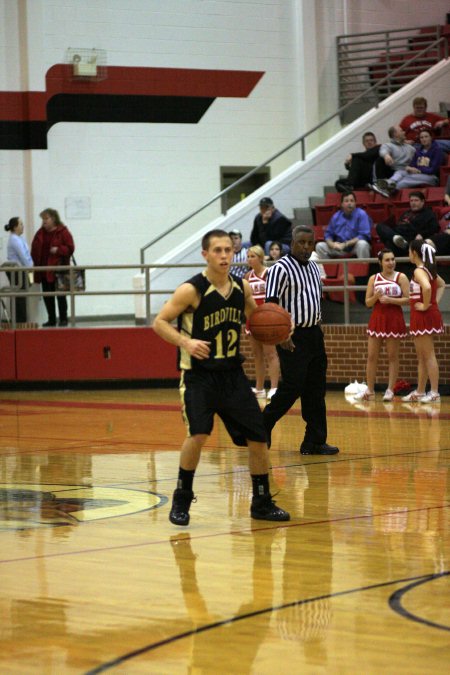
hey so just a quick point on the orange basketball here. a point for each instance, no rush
(270, 324)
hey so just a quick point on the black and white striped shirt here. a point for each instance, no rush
(298, 289)
(240, 257)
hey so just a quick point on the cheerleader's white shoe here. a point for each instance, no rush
(413, 397)
(431, 397)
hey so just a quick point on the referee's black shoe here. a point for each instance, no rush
(264, 508)
(179, 513)
(308, 448)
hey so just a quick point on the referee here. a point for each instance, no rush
(294, 283)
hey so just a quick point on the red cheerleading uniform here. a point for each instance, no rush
(427, 322)
(258, 289)
(386, 321)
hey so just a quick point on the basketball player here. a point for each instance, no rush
(294, 283)
(209, 308)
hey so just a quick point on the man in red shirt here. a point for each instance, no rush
(421, 120)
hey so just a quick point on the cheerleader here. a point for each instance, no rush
(426, 289)
(386, 292)
(256, 277)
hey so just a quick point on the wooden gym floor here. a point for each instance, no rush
(95, 579)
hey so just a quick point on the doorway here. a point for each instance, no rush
(230, 174)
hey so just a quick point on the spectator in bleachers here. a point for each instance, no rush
(347, 233)
(397, 154)
(360, 165)
(270, 225)
(417, 222)
(441, 242)
(423, 170)
(239, 255)
(420, 120)
(275, 251)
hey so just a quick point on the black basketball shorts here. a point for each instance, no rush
(226, 393)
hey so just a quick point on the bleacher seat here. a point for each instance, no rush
(444, 173)
(376, 244)
(358, 269)
(435, 195)
(381, 199)
(333, 198)
(425, 34)
(323, 213)
(445, 133)
(379, 211)
(363, 197)
(335, 277)
(319, 231)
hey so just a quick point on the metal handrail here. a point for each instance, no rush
(300, 140)
(147, 291)
(356, 54)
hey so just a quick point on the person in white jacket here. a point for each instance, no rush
(18, 252)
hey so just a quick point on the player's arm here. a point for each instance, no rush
(250, 304)
(185, 297)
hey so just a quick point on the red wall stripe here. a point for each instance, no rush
(31, 105)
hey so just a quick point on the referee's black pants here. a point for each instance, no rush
(303, 374)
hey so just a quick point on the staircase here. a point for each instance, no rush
(364, 59)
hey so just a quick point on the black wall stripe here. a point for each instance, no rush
(116, 108)
(23, 135)
(102, 108)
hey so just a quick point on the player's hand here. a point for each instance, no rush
(420, 307)
(388, 160)
(199, 348)
(288, 345)
(384, 299)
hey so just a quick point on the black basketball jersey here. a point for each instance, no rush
(217, 320)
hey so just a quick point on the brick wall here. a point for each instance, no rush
(347, 353)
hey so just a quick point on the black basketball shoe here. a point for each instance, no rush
(264, 508)
(181, 502)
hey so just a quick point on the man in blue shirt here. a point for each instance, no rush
(348, 232)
